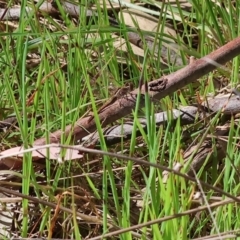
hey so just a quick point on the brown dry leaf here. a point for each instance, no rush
(116, 6)
(13, 156)
(120, 45)
(169, 49)
(145, 21)
(184, 4)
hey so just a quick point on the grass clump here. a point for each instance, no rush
(57, 65)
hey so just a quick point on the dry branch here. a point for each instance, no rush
(126, 104)
(45, 8)
(227, 105)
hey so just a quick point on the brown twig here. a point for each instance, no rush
(125, 105)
